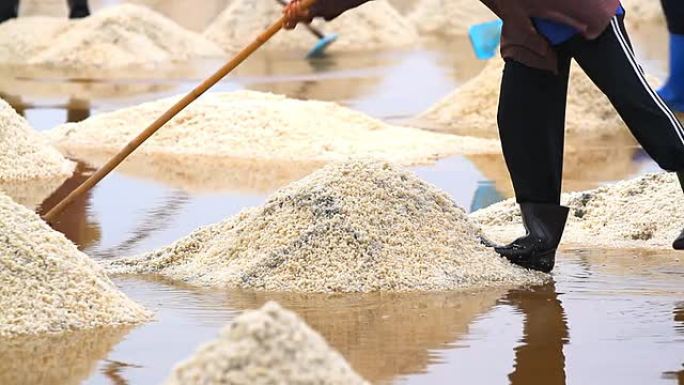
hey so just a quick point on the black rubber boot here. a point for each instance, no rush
(78, 9)
(678, 244)
(8, 9)
(537, 250)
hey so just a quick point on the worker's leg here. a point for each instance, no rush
(8, 9)
(531, 127)
(609, 61)
(78, 9)
(672, 91)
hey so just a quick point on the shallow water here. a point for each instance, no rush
(608, 317)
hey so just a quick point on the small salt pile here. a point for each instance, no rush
(270, 345)
(118, 36)
(645, 212)
(355, 226)
(374, 25)
(449, 17)
(472, 108)
(248, 125)
(47, 285)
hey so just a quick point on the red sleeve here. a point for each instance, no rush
(330, 9)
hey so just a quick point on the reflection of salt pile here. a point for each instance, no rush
(449, 17)
(402, 328)
(64, 359)
(643, 11)
(472, 108)
(266, 346)
(253, 125)
(47, 285)
(27, 160)
(372, 26)
(351, 227)
(118, 36)
(645, 212)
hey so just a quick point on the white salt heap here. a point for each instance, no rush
(270, 345)
(118, 36)
(449, 17)
(472, 108)
(261, 126)
(356, 226)
(374, 25)
(47, 285)
(643, 11)
(645, 212)
(25, 154)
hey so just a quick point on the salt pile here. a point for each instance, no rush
(472, 108)
(119, 36)
(261, 126)
(449, 17)
(47, 285)
(643, 11)
(270, 345)
(374, 25)
(356, 226)
(645, 212)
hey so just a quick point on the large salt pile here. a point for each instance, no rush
(119, 36)
(30, 168)
(270, 345)
(449, 17)
(472, 108)
(47, 285)
(260, 126)
(355, 226)
(374, 25)
(645, 212)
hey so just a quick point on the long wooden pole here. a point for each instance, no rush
(169, 114)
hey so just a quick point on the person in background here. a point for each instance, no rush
(539, 40)
(9, 9)
(673, 90)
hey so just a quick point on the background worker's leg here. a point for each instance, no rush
(8, 9)
(673, 89)
(609, 62)
(78, 9)
(531, 127)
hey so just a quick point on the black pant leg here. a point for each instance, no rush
(674, 12)
(8, 9)
(610, 63)
(78, 9)
(531, 122)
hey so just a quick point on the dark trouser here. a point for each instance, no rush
(10, 8)
(532, 112)
(674, 12)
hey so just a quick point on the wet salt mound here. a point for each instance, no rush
(472, 108)
(270, 345)
(261, 126)
(375, 25)
(356, 226)
(47, 285)
(119, 36)
(645, 212)
(449, 17)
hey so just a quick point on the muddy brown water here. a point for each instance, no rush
(608, 317)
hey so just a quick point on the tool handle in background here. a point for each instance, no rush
(168, 115)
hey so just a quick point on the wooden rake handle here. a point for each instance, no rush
(168, 115)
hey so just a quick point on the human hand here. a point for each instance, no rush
(295, 14)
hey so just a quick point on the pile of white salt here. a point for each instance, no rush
(355, 226)
(374, 25)
(449, 17)
(248, 125)
(270, 345)
(643, 12)
(48, 286)
(645, 212)
(472, 108)
(119, 36)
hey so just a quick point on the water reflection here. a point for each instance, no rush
(540, 358)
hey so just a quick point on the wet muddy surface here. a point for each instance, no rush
(608, 317)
